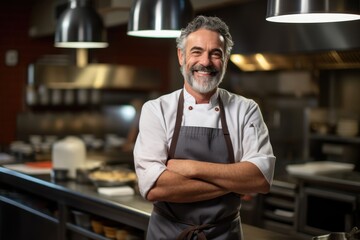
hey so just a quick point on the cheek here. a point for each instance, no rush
(219, 63)
(188, 64)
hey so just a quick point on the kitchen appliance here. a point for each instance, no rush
(69, 154)
(326, 211)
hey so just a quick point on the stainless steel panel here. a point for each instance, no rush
(94, 76)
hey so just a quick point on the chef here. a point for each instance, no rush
(200, 148)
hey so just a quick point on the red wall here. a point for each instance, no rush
(14, 25)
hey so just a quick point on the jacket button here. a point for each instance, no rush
(190, 108)
(217, 109)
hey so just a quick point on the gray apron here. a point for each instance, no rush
(214, 219)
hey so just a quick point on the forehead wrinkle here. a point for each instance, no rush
(193, 39)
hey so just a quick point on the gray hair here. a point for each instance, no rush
(209, 23)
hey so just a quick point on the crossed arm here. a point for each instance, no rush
(191, 180)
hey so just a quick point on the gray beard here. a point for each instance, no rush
(205, 85)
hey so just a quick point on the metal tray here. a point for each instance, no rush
(111, 177)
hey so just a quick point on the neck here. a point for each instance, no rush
(200, 98)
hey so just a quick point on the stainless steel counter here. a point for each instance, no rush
(135, 211)
(344, 180)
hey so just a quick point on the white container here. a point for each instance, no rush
(70, 154)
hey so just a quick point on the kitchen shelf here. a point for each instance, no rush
(21, 221)
(50, 205)
(80, 222)
(94, 236)
(334, 138)
(29, 209)
(85, 232)
(280, 202)
(333, 147)
(278, 218)
(280, 208)
(279, 227)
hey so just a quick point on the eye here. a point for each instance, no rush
(196, 52)
(216, 55)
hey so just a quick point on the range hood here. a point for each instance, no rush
(324, 60)
(93, 76)
(261, 45)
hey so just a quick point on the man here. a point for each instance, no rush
(201, 147)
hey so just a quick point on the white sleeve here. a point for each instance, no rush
(257, 148)
(150, 151)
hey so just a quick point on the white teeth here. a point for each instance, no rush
(203, 72)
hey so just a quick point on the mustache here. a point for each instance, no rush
(209, 69)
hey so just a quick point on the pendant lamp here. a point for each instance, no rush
(312, 11)
(159, 18)
(80, 26)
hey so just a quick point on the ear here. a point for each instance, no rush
(180, 56)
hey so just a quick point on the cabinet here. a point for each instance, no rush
(38, 209)
(54, 217)
(18, 209)
(14, 214)
(280, 208)
(327, 208)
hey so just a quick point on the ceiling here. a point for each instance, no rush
(198, 5)
(116, 12)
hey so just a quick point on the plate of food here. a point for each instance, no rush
(112, 177)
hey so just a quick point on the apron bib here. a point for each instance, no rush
(215, 219)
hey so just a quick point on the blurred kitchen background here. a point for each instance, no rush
(306, 79)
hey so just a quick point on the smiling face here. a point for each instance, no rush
(203, 61)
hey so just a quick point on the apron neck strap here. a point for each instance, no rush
(179, 113)
(226, 131)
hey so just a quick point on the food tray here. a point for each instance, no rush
(112, 177)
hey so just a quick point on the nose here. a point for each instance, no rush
(205, 59)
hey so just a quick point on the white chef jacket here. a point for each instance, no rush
(248, 132)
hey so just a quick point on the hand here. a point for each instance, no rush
(184, 167)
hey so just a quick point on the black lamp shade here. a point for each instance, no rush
(312, 11)
(159, 18)
(80, 26)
